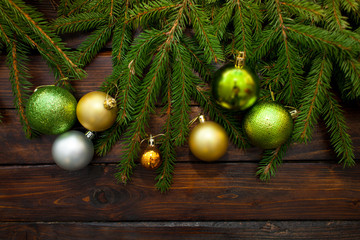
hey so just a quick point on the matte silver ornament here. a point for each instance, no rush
(72, 150)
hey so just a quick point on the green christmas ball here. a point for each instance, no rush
(235, 88)
(51, 110)
(268, 125)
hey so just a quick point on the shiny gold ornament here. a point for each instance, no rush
(235, 87)
(208, 141)
(96, 111)
(151, 158)
(268, 125)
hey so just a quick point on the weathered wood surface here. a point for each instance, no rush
(222, 191)
(312, 196)
(18, 148)
(280, 230)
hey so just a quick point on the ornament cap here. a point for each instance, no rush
(90, 135)
(201, 118)
(151, 141)
(109, 103)
(240, 60)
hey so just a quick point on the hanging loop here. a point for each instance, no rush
(151, 139)
(41, 86)
(199, 117)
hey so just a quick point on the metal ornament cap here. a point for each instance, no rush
(72, 150)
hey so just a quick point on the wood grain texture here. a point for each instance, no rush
(278, 230)
(309, 198)
(16, 148)
(41, 74)
(200, 192)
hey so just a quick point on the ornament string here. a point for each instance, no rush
(41, 86)
(293, 111)
(59, 82)
(199, 117)
(272, 93)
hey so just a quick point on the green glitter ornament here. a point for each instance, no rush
(268, 125)
(235, 86)
(51, 110)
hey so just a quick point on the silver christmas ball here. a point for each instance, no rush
(72, 150)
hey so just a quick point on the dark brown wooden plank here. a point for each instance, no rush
(320, 230)
(41, 74)
(16, 148)
(201, 192)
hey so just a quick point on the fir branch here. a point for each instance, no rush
(167, 149)
(79, 22)
(181, 88)
(52, 41)
(312, 100)
(243, 29)
(93, 44)
(305, 9)
(128, 80)
(351, 70)
(107, 139)
(246, 19)
(20, 85)
(97, 6)
(51, 59)
(147, 12)
(146, 105)
(271, 160)
(198, 62)
(177, 42)
(204, 34)
(223, 19)
(76, 7)
(336, 124)
(322, 40)
(286, 75)
(64, 7)
(122, 39)
(334, 21)
(266, 42)
(122, 35)
(351, 7)
(288, 63)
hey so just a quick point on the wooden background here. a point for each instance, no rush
(312, 196)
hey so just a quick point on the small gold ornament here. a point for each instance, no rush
(150, 158)
(208, 141)
(96, 111)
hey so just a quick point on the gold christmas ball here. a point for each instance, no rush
(96, 111)
(151, 159)
(268, 125)
(208, 141)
